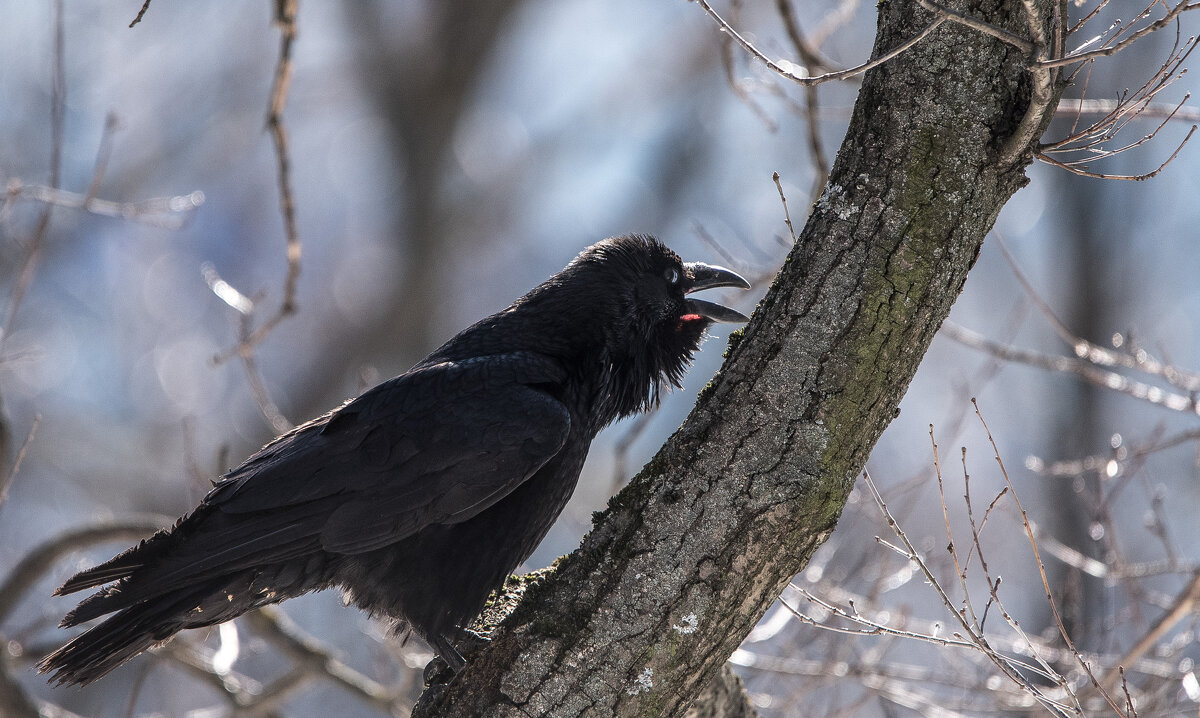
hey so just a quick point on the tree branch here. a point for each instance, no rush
(845, 74)
(640, 619)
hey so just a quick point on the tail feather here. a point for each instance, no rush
(97, 576)
(143, 624)
(172, 561)
(94, 653)
(93, 606)
(209, 568)
(120, 566)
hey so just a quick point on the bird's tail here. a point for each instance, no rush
(142, 623)
(208, 569)
(92, 654)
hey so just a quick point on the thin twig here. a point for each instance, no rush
(1110, 50)
(1037, 556)
(286, 18)
(1101, 175)
(103, 153)
(833, 21)
(1089, 372)
(238, 690)
(141, 13)
(869, 627)
(1184, 606)
(258, 387)
(58, 105)
(819, 79)
(739, 88)
(286, 14)
(154, 211)
(1092, 352)
(1021, 43)
(787, 217)
(1087, 18)
(910, 551)
(244, 308)
(250, 337)
(1101, 462)
(1129, 106)
(813, 63)
(960, 571)
(7, 480)
(16, 701)
(139, 682)
(808, 53)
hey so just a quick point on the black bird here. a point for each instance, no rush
(420, 496)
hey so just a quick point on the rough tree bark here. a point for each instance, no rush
(684, 562)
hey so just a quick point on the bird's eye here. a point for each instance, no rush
(671, 275)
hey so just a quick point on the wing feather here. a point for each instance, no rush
(437, 445)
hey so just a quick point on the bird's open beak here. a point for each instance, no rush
(706, 276)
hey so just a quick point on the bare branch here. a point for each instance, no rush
(58, 104)
(1092, 352)
(869, 627)
(1087, 18)
(1037, 556)
(1078, 106)
(1101, 175)
(739, 87)
(809, 53)
(1021, 43)
(7, 479)
(1077, 56)
(971, 631)
(103, 153)
(813, 63)
(787, 217)
(141, 13)
(1042, 84)
(959, 568)
(16, 702)
(155, 211)
(827, 77)
(1127, 107)
(286, 18)
(286, 12)
(1088, 371)
(1106, 464)
(833, 21)
(243, 307)
(258, 389)
(1184, 606)
(240, 692)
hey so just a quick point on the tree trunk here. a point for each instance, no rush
(640, 619)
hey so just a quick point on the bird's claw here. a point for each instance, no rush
(446, 664)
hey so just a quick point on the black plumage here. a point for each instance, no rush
(421, 495)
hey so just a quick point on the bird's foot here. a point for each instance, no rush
(445, 665)
(437, 672)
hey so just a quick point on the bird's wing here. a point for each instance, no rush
(436, 445)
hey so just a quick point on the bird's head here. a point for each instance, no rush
(639, 290)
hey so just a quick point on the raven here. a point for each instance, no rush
(420, 496)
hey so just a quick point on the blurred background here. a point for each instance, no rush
(445, 158)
